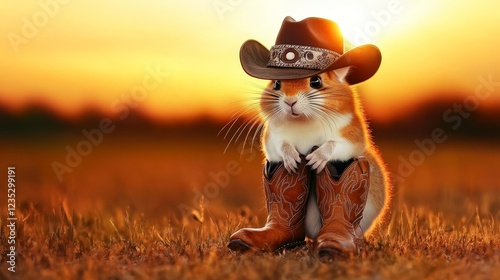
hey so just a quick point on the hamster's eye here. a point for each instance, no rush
(277, 85)
(316, 82)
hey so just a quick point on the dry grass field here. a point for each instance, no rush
(118, 214)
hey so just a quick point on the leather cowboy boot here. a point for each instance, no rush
(286, 196)
(341, 200)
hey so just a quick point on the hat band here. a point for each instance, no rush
(296, 56)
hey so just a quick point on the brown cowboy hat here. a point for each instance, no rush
(306, 48)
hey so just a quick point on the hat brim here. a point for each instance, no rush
(364, 61)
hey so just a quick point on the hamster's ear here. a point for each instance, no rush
(341, 73)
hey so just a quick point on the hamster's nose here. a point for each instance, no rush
(290, 103)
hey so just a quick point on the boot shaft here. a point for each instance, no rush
(286, 196)
(343, 196)
(286, 193)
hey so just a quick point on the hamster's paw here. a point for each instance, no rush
(291, 157)
(321, 156)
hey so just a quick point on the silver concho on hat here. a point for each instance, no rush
(295, 56)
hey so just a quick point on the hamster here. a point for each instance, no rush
(322, 111)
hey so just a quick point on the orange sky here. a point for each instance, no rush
(73, 54)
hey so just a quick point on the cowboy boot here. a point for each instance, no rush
(341, 200)
(286, 196)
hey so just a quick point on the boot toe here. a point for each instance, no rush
(328, 254)
(335, 246)
(243, 240)
(239, 245)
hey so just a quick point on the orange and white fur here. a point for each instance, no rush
(322, 111)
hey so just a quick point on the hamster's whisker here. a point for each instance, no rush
(239, 131)
(336, 97)
(323, 116)
(243, 127)
(231, 123)
(273, 98)
(324, 107)
(317, 91)
(326, 93)
(242, 101)
(332, 114)
(333, 119)
(271, 94)
(257, 122)
(234, 119)
(244, 104)
(323, 120)
(269, 99)
(268, 104)
(245, 100)
(273, 113)
(269, 90)
(256, 85)
(259, 128)
(326, 111)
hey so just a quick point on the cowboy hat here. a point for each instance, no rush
(306, 48)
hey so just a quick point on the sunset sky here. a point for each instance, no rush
(73, 55)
